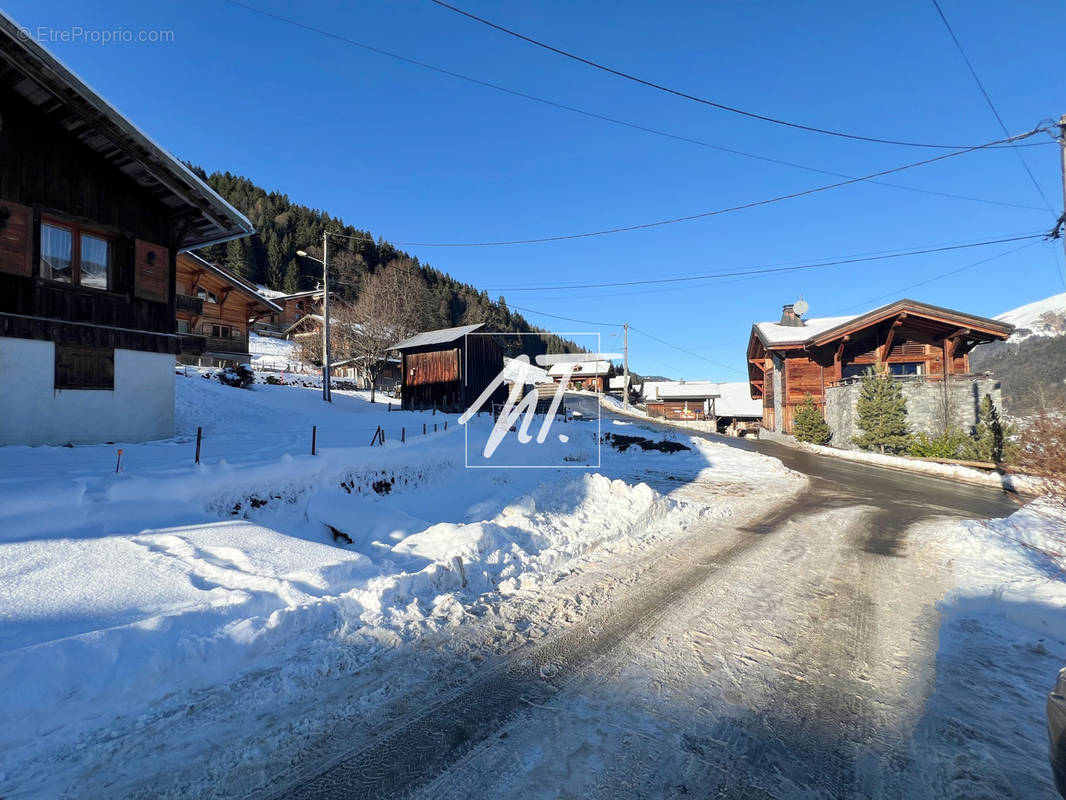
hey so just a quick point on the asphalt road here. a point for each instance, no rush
(788, 655)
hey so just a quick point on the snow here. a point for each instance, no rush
(579, 368)
(680, 390)
(128, 599)
(1045, 317)
(775, 333)
(734, 400)
(1002, 642)
(271, 353)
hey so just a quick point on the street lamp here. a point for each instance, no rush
(326, 353)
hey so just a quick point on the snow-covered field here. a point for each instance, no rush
(136, 605)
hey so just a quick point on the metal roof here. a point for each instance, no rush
(442, 336)
(56, 92)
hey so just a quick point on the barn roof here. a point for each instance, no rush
(687, 390)
(441, 336)
(56, 92)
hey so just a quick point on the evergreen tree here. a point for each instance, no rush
(291, 284)
(235, 262)
(882, 412)
(808, 424)
(992, 440)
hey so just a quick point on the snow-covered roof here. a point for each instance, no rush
(580, 368)
(1043, 318)
(735, 401)
(237, 281)
(619, 383)
(687, 390)
(441, 336)
(514, 370)
(776, 333)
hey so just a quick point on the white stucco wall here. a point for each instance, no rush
(32, 412)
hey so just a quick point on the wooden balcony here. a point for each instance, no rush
(189, 304)
(193, 345)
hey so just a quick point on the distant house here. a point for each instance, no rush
(291, 309)
(736, 413)
(448, 369)
(214, 308)
(92, 216)
(587, 375)
(617, 385)
(691, 400)
(926, 346)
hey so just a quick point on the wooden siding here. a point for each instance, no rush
(451, 376)
(45, 168)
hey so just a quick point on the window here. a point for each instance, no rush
(906, 368)
(183, 326)
(854, 370)
(201, 293)
(221, 331)
(83, 367)
(212, 298)
(71, 255)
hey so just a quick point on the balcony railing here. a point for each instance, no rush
(932, 377)
(191, 344)
(188, 303)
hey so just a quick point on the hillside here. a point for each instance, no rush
(283, 227)
(1031, 364)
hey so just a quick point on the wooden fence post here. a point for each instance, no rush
(199, 436)
(445, 424)
(423, 429)
(118, 464)
(375, 437)
(434, 427)
(314, 439)
(403, 435)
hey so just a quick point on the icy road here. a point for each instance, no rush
(790, 655)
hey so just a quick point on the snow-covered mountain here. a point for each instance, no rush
(1045, 317)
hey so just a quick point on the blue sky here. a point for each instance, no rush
(415, 156)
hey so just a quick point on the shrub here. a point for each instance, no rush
(240, 376)
(1043, 455)
(808, 424)
(949, 444)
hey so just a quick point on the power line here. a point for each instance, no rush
(717, 212)
(621, 122)
(677, 93)
(991, 105)
(686, 352)
(796, 268)
(568, 319)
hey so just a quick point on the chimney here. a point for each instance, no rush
(789, 317)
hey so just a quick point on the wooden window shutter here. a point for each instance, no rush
(83, 367)
(16, 239)
(151, 271)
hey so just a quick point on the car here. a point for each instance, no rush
(1056, 728)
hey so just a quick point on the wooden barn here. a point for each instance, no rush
(214, 308)
(92, 216)
(919, 343)
(448, 369)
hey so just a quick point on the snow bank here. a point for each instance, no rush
(127, 598)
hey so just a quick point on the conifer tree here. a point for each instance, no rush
(808, 424)
(992, 440)
(291, 283)
(235, 262)
(882, 412)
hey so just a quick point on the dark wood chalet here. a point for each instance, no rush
(793, 358)
(449, 369)
(292, 309)
(92, 216)
(214, 308)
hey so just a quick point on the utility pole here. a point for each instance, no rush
(1061, 226)
(625, 366)
(326, 354)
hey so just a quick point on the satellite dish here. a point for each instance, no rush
(800, 307)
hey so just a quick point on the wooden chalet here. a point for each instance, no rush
(793, 358)
(291, 309)
(585, 375)
(214, 308)
(689, 400)
(92, 216)
(448, 369)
